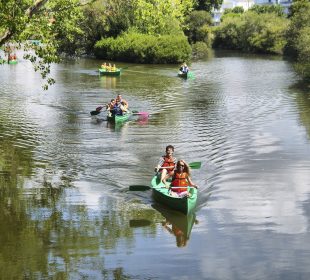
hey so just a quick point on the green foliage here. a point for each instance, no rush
(44, 20)
(298, 37)
(303, 62)
(200, 50)
(228, 34)
(267, 9)
(198, 23)
(155, 17)
(208, 5)
(231, 15)
(300, 19)
(235, 10)
(252, 32)
(143, 48)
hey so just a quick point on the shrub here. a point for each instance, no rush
(143, 48)
(200, 50)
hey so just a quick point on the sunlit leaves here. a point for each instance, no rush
(152, 17)
(43, 20)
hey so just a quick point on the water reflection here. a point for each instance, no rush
(64, 206)
(177, 224)
(109, 82)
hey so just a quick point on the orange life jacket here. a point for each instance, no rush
(179, 180)
(168, 162)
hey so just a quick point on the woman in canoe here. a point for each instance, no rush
(110, 106)
(180, 180)
(166, 164)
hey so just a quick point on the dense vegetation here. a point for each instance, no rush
(266, 29)
(144, 48)
(252, 32)
(42, 20)
(151, 31)
(298, 37)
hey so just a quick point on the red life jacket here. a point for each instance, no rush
(168, 162)
(179, 180)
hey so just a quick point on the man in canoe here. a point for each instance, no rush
(180, 180)
(123, 102)
(184, 68)
(166, 164)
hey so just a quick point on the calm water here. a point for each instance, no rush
(65, 208)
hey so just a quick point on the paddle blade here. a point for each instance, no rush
(139, 188)
(190, 75)
(146, 114)
(195, 165)
(134, 112)
(94, 113)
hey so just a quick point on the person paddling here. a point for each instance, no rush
(166, 163)
(184, 68)
(180, 180)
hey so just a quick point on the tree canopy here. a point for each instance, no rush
(42, 20)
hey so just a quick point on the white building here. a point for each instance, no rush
(230, 4)
(247, 4)
(284, 3)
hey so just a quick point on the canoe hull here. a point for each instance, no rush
(13, 61)
(119, 119)
(185, 205)
(110, 73)
(182, 75)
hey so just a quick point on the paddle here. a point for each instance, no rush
(190, 75)
(192, 165)
(140, 113)
(140, 188)
(146, 188)
(97, 111)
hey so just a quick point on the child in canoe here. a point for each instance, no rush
(180, 180)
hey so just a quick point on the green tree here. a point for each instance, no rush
(42, 20)
(298, 37)
(252, 32)
(198, 23)
(265, 9)
(208, 5)
(156, 16)
(235, 10)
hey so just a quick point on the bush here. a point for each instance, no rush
(303, 49)
(200, 50)
(143, 48)
(252, 32)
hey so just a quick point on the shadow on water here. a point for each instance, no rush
(301, 91)
(176, 223)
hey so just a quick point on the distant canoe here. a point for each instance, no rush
(13, 61)
(115, 73)
(182, 75)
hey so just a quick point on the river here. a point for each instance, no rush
(66, 211)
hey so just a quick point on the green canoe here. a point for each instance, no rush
(13, 61)
(119, 118)
(161, 194)
(182, 75)
(115, 73)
